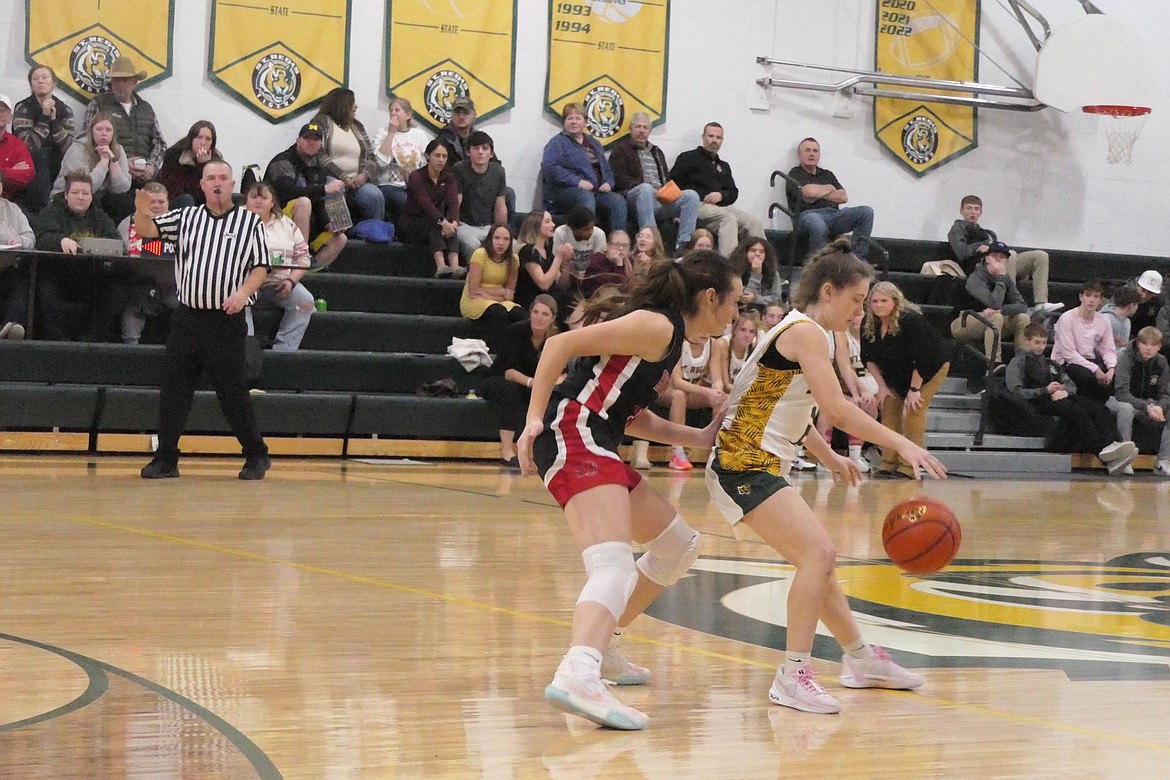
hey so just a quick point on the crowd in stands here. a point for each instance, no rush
(603, 218)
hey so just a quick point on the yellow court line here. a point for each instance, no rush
(464, 602)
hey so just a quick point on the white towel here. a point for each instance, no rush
(471, 353)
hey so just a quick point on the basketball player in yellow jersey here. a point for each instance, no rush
(787, 377)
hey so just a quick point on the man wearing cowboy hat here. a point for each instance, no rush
(137, 129)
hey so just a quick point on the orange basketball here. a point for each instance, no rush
(921, 535)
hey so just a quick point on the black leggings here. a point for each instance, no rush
(510, 400)
(494, 324)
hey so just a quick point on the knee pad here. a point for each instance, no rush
(671, 553)
(612, 576)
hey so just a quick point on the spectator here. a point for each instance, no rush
(100, 156)
(817, 203)
(586, 239)
(1123, 306)
(1149, 289)
(1086, 426)
(541, 269)
(59, 228)
(772, 315)
(15, 233)
(301, 179)
(762, 285)
(703, 171)
(510, 385)
(490, 290)
(1143, 391)
(44, 121)
(157, 295)
(456, 136)
(1084, 346)
(431, 215)
(289, 255)
(990, 291)
(701, 239)
(640, 171)
(969, 241)
(574, 172)
(858, 384)
(611, 267)
(349, 153)
(137, 130)
(183, 163)
(400, 149)
(16, 163)
(909, 360)
(731, 352)
(694, 375)
(648, 247)
(481, 193)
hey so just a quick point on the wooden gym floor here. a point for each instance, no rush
(366, 620)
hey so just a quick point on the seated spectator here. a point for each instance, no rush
(349, 153)
(15, 233)
(183, 163)
(431, 215)
(648, 247)
(640, 171)
(400, 148)
(1119, 310)
(703, 171)
(608, 268)
(772, 315)
(137, 130)
(99, 155)
(731, 352)
(456, 136)
(157, 295)
(289, 254)
(510, 386)
(301, 179)
(58, 228)
(909, 360)
(574, 172)
(701, 239)
(584, 237)
(481, 193)
(818, 200)
(1083, 346)
(44, 121)
(990, 291)
(969, 241)
(757, 262)
(541, 269)
(490, 290)
(1142, 391)
(859, 385)
(700, 385)
(1086, 426)
(1151, 300)
(16, 163)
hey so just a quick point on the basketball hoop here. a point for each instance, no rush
(1123, 125)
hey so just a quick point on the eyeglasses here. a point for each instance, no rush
(616, 245)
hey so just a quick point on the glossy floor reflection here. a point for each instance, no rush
(368, 620)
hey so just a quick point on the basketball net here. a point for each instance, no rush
(1123, 125)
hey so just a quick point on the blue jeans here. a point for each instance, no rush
(561, 199)
(370, 202)
(395, 200)
(649, 210)
(821, 224)
(298, 310)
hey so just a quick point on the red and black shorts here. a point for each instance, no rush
(575, 453)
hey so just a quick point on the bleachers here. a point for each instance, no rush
(385, 334)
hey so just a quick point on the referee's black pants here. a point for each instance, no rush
(211, 341)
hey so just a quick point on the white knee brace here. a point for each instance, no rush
(612, 576)
(671, 553)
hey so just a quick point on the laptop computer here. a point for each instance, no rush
(102, 246)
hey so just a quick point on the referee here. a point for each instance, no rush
(222, 259)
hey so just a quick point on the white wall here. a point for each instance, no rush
(1042, 175)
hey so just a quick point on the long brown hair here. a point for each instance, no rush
(834, 264)
(115, 147)
(674, 285)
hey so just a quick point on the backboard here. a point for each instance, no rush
(1094, 60)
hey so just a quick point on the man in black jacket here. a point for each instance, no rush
(703, 171)
(302, 179)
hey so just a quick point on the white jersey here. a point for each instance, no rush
(696, 369)
(771, 408)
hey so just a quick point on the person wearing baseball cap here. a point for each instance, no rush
(16, 164)
(456, 136)
(992, 292)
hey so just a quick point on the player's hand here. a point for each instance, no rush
(524, 446)
(921, 461)
(845, 469)
(711, 430)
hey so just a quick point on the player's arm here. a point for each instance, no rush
(651, 427)
(842, 467)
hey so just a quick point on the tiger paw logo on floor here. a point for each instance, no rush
(440, 92)
(605, 111)
(276, 81)
(920, 139)
(90, 61)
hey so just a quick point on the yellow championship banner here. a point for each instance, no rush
(437, 50)
(933, 39)
(80, 39)
(610, 56)
(279, 58)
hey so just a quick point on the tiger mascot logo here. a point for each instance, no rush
(605, 111)
(276, 81)
(920, 140)
(90, 61)
(440, 92)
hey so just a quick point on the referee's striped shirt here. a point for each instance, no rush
(215, 254)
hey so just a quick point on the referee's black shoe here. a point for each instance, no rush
(254, 468)
(160, 469)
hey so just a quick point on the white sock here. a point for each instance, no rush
(794, 661)
(679, 451)
(859, 650)
(855, 451)
(582, 661)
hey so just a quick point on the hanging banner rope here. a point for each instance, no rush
(279, 59)
(437, 50)
(80, 39)
(932, 39)
(610, 56)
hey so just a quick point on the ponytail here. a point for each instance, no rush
(834, 264)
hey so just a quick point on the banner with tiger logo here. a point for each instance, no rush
(279, 59)
(934, 39)
(609, 56)
(438, 50)
(80, 39)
